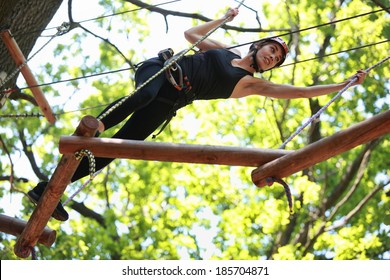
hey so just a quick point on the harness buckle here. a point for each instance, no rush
(165, 54)
(181, 83)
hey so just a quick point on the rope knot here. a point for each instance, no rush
(91, 159)
(63, 29)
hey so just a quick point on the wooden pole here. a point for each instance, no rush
(52, 194)
(324, 149)
(19, 59)
(207, 154)
(15, 227)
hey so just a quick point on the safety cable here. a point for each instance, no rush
(130, 68)
(236, 46)
(334, 53)
(317, 26)
(27, 115)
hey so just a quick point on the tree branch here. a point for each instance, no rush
(383, 6)
(348, 175)
(86, 212)
(111, 44)
(74, 24)
(358, 207)
(4, 147)
(30, 156)
(166, 13)
(17, 95)
(359, 176)
(16, 179)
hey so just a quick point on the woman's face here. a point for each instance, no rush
(269, 55)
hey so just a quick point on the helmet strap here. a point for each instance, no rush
(254, 65)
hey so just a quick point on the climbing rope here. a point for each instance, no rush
(82, 187)
(91, 159)
(92, 167)
(271, 180)
(317, 115)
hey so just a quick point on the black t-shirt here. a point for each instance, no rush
(211, 74)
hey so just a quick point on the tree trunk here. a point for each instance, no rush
(25, 19)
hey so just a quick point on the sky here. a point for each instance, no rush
(158, 39)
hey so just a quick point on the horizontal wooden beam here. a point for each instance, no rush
(143, 150)
(19, 59)
(16, 226)
(323, 149)
(52, 194)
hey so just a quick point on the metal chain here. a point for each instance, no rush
(25, 115)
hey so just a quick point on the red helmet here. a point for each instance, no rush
(277, 40)
(282, 43)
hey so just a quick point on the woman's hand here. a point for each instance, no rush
(360, 76)
(196, 33)
(231, 14)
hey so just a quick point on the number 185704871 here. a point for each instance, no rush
(241, 270)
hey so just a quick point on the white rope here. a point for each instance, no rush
(317, 115)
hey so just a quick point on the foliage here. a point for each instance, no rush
(155, 210)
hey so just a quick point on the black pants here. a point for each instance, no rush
(150, 107)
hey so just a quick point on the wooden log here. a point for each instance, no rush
(52, 194)
(19, 59)
(16, 226)
(207, 154)
(324, 149)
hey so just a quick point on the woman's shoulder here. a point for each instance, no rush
(234, 51)
(227, 51)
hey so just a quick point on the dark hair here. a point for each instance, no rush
(261, 43)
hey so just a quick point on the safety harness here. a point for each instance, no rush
(179, 80)
(175, 73)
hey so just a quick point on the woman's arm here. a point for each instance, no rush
(255, 86)
(195, 33)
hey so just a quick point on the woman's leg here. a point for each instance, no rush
(141, 124)
(139, 99)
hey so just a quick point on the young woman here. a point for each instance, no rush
(214, 73)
